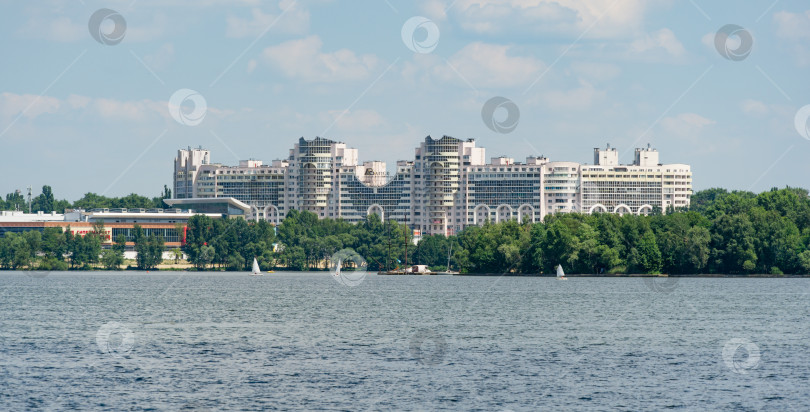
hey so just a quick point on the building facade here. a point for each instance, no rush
(448, 185)
(186, 167)
(168, 223)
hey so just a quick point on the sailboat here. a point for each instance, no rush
(337, 268)
(448, 271)
(256, 270)
(560, 273)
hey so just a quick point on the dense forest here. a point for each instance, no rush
(722, 232)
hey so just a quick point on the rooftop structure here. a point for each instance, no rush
(20, 216)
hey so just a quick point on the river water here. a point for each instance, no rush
(186, 341)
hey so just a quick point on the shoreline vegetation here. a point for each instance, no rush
(722, 233)
(282, 271)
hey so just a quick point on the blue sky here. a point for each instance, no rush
(84, 116)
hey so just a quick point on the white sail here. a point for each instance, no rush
(337, 267)
(560, 272)
(256, 269)
(449, 253)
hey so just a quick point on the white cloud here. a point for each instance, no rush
(26, 105)
(652, 44)
(418, 70)
(303, 59)
(753, 107)
(294, 21)
(686, 125)
(64, 29)
(580, 98)
(489, 65)
(794, 26)
(602, 18)
(161, 58)
(434, 9)
(143, 30)
(126, 110)
(32, 106)
(60, 29)
(596, 71)
(78, 102)
(708, 40)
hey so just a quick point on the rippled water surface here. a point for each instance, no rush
(172, 341)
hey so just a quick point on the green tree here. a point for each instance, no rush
(696, 250)
(84, 251)
(432, 250)
(53, 243)
(15, 201)
(199, 230)
(44, 202)
(177, 254)
(732, 245)
(649, 256)
(804, 261)
(149, 250)
(113, 258)
(205, 257)
(18, 252)
(92, 201)
(559, 246)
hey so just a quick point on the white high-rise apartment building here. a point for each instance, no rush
(186, 166)
(637, 188)
(446, 187)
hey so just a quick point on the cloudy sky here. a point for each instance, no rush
(83, 109)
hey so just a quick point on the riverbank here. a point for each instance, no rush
(128, 269)
(641, 275)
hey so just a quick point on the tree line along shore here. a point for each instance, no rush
(722, 232)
